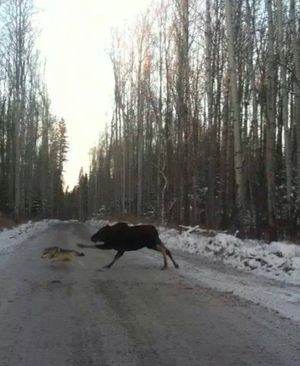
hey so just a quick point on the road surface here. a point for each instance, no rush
(133, 314)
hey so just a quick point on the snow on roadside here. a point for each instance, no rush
(277, 260)
(12, 237)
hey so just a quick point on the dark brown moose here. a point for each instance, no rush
(123, 238)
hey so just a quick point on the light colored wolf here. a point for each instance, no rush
(61, 255)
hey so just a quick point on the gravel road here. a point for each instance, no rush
(133, 314)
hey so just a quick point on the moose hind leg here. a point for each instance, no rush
(162, 249)
(172, 259)
(117, 256)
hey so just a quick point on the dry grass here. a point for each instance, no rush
(6, 222)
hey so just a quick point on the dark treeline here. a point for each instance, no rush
(205, 127)
(206, 123)
(33, 142)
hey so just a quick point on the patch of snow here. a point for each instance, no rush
(97, 224)
(71, 221)
(277, 260)
(296, 272)
(10, 238)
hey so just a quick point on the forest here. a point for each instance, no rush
(205, 127)
(33, 142)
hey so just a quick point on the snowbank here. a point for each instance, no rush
(276, 260)
(10, 238)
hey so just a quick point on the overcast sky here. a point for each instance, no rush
(74, 39)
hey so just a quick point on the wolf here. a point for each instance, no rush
(60, 255)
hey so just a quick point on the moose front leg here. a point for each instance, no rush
(117, 256)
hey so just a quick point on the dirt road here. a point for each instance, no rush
(133, 314)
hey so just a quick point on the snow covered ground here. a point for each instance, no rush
(276, 260)
(267, 274)
(9, 239)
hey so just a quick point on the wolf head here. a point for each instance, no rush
(50, 252)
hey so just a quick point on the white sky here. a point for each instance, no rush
(74, 39)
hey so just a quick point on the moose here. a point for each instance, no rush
(123, 238)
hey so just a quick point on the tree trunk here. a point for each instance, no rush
(235, 105)
(270, 116)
